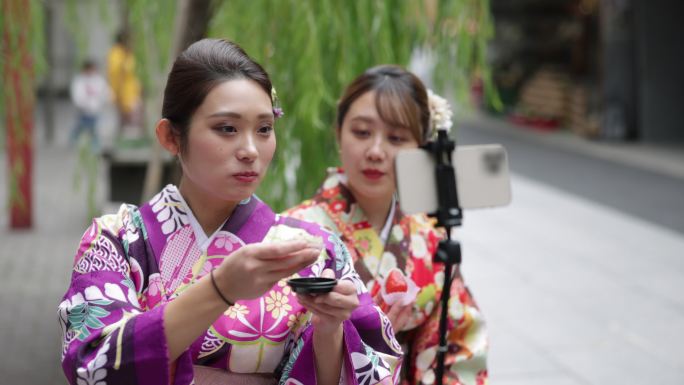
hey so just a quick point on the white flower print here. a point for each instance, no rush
(429, 306)
(439, 279)
(277, 304)
(237, 310)
(371, 262)
(93, 293)
(224, 243)
(95, 372)
(388, 262)
(418, 246)
(428, 377)
(115, 292)
(397, 233)
(284, 287)
(425, 358)
(456, 308)
(295, 321)
(169, 209)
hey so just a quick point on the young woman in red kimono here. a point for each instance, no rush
(385, 110)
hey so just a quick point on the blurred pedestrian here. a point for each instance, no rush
(89, 93)
(125, 86)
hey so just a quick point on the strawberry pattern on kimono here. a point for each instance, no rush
(409, 247)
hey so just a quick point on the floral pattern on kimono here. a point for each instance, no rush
(410, 246)
(129, 265)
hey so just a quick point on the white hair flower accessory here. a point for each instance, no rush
(277, 110)
(440, 114)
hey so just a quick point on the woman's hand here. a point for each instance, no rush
(253, 269)
(245, 274)
(331, 309)
(398, 314)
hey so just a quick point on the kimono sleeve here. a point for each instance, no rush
(372, 354)
(106, 337)
(465, 359)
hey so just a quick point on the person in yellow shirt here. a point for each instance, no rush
(125, 85)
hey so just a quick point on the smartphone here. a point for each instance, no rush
(482, 178)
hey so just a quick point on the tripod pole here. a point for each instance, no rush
(448, 215)
(449, 252)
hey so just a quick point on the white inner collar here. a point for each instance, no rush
(203, 241)
(388, 222)
(384, 233)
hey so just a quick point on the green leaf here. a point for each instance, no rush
(103, 302)
(94, 323)
(98, 312)
(82, 332)
(76, 318)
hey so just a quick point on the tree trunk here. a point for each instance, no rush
(49, 100)
(18, 77)
(192, 21)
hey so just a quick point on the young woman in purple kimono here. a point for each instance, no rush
(384, 110)
(191, 286)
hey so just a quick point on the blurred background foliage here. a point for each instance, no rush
(311, 49)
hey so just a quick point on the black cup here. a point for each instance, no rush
(312, 285)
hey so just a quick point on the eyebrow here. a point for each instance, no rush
(368, 119)
(363, 118)
(230, 114)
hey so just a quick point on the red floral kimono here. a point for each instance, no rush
(409, 247)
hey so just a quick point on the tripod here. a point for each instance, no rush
(449, 215)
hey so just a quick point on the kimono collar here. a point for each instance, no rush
(186, 216)
(203, 241)
(371, 248)
(342, 204)
(389, 221)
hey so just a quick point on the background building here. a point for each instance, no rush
(603, 68)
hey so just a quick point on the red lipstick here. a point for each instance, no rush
(372, 173)
(246, 177)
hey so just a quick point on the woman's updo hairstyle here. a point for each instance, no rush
(196, 71)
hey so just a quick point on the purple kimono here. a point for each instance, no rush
(130, 264)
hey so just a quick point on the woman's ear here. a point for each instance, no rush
(167, 137)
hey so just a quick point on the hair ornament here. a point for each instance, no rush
(277, 110)
(440, 114)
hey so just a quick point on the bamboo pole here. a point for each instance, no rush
(18, 76)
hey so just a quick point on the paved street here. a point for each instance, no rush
(577, 287)
(582, 278)
(576, 293)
